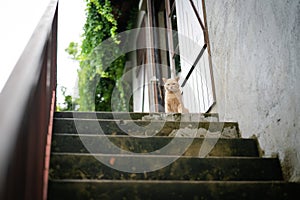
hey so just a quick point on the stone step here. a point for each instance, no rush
(165, 167)
(145, 127)
(74, 143)
(106, 155)
(175, 190)
(139, 116)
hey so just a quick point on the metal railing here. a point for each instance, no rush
(193, 51)
(27, 103)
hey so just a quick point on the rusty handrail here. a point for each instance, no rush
(27, 103)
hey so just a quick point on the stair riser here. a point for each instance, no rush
(185, 168)
(98, 144)
(178, 191)
(142, 128)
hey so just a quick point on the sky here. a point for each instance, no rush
(18, 20)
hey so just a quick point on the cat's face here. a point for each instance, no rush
(171, 85)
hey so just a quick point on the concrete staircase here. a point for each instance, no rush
(156, 156)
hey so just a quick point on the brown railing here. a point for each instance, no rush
(27, 103)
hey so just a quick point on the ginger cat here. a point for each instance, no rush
(173, 99)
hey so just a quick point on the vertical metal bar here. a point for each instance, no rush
(152, 93)
(170, 38)
(157, 61)
(144, 84)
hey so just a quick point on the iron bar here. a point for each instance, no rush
(197, 15)
(194, 65)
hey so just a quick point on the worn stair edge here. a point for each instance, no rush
(137, 115)
(144, 127)
(175, 190)
(74, 143)
(165, 167)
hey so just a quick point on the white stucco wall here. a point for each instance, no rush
(255, 46)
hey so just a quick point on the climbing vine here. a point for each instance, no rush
(96, 80)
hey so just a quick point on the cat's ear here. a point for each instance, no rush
(164, 80)
(177, 78)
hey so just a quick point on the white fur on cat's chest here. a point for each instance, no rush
(173, 95)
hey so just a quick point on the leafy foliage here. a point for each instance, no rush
(69, 102)
(98, 77)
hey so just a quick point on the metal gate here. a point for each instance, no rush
(191, 55)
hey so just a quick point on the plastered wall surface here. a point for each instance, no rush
(255, 47)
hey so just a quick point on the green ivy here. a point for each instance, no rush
(97, 80)
(69, 102)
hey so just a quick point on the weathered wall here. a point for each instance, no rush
(255, 48)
